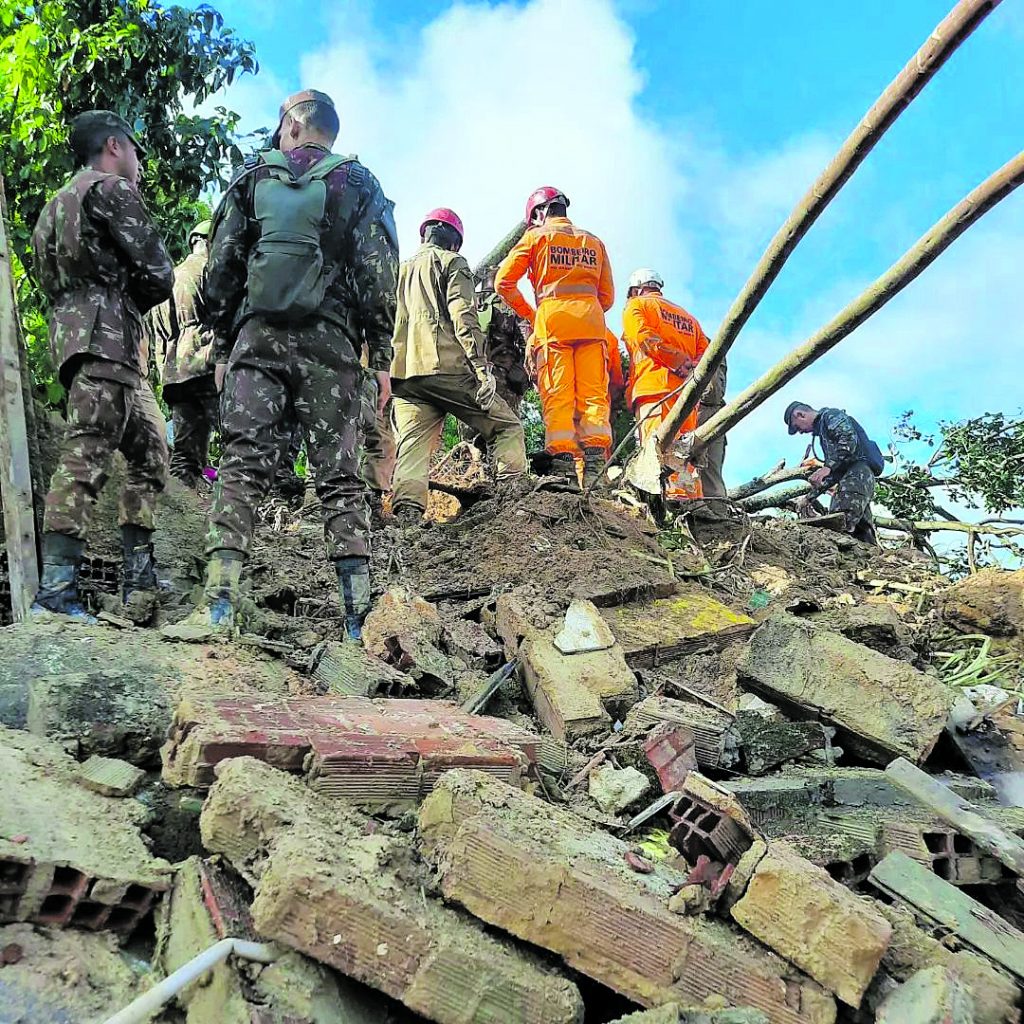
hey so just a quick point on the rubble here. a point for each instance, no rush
(348, 670)
(373, 751)
(109, 776)
(616, 789)
(715, 742)
(946, 907)
(815, 922)
(350, 898)
(68, 856)
(531, 869)
(932, 996)
(990, 601)
(882, 707)
(671, 1013)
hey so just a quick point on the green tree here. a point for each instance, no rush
(150, 63)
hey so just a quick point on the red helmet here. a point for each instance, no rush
(445, 216)
(541, 197)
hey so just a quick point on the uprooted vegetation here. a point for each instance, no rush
(684, 800)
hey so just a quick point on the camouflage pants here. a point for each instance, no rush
(104, 417)
(853, 497)
(277, 376)
(377, 451)
(195, 415)
(711, 478)
(512, 398)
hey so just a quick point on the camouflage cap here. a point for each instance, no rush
(202, 229)
(92, 119)
(304, 96)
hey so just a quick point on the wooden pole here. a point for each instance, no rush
(781, 475)
(891, 283)
(16, 481)
(940, 45)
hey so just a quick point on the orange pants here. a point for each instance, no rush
(572, 378)
(677, 487)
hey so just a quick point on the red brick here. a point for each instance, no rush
(671, 751)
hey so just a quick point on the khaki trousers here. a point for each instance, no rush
(420, 406)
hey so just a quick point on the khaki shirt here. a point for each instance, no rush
(436, 326)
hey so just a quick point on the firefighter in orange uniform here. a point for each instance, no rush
(665, 343)
(572, 281)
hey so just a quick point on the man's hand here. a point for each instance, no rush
(819, 476)
(219, 371)
(487, 390)
(383, 378)
(685, 368)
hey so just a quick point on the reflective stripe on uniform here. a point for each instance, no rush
(559, 289)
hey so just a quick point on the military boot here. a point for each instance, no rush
(562, 475)
(139, 573)
(593, 465)
(58, 587)
(354, 594)
(223, 587)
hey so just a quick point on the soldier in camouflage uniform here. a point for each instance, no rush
(711, 478)
(306, 367)
(377, 449)
(846, 454)
(178, 332)
(101, 262)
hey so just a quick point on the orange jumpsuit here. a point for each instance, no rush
(572, 280)
(665, 343)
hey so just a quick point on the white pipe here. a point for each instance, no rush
(149, 1002)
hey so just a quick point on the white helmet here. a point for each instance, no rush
(646, 275)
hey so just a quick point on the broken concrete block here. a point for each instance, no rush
(875, 624)
(798, 910)
(69, 857)
(671, 752)
(348, 670)
(715, 744)
(776, 797)
(709, 822)
(110, 776)
(405, 631)
(615, 789)
(963, 816)
(932, 996)
(940, 903)
(583, 630)
(911, 950)
(672, 1013)
(769, 743)
(368, 751)
(520, 615)
(884, 708)
(570, 691)
(990, 601)
(208, 904)
(330, 887)
(532, 869)
(659, 631)
(468, 640)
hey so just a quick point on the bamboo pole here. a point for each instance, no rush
(500, 251)
(15, 464)
(940, 45)
(921, 255)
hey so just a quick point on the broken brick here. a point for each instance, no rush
(932, 996)
(347, 670)
(709, 822)
(352, 899)
(531, 869)
(670, 750)
(714, 744)
(110, 776)
(795, 908)
(366, 750)
(883, 708)
(405, 631)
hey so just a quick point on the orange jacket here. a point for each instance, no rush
(616, 381)
(571, 277)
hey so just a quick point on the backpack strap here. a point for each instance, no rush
(324, 167)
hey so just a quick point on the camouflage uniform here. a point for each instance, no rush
(306, 371)
(178, 332)
(505, 348)
(101, 262)
(849, 471)
(711, 478)
(377, 450)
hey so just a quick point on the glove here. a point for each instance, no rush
(487, 390)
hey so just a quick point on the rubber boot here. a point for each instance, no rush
(58, 587)
(139, 572)
(354, 594)
(562, 475)
(223, 587)
(593, 464)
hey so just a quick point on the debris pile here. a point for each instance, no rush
(581, 770)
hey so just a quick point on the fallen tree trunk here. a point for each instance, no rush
(500, 251)
(775, 499)
(891, 283)
(931, 526)
(940, 45)
(779, 475)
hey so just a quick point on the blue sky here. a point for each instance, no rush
(684, 131)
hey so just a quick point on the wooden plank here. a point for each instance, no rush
(948, 908)
(959, 813)
(16, 484)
